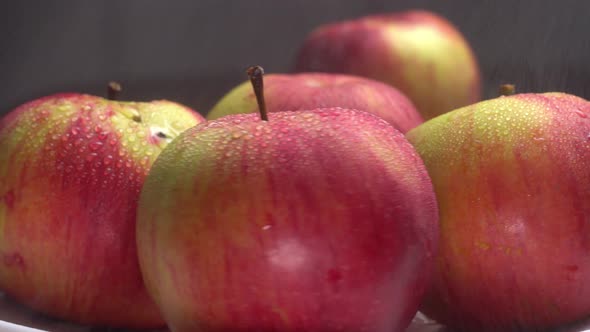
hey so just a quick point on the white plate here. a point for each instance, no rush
(10, 327)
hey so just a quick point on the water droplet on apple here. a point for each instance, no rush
(79, 141)
(95, 145)
(91, 156)
(580, 113)
(103, 135)
(177, 125)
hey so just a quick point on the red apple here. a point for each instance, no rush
(311, 220)
(422, 54)
(513, 184)
(71, 168)
(284, 92)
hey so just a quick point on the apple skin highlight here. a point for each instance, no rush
(71, 169)
(288, 225)
(418, 52)
(513, 186)
(292, 92)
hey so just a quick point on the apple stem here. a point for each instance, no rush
(255, 73)
(113, 90)
(507, 89)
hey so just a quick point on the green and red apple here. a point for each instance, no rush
(419, 52)
(291, 92)
(313, 220)
(513, 185)
(71, 170)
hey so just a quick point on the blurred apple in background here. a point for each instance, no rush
(420, 53)
(513, 184)
(71, 168)
(307, 91)
(314, 220)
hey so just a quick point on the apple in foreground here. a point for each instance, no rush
(513, 184)
(419, 52)
(71, 169)
(307, 91)
(311, 220)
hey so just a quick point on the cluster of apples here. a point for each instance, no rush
(328, 205)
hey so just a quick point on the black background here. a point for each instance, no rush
(194, 51)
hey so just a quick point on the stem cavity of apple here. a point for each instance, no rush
(113, 90)
(507, 89)
(255, 73)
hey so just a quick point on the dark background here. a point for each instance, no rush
(194, 51)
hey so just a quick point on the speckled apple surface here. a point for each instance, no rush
(71, 168)
(318, 220)
(513, 185)
(292, 92)
(419, 52)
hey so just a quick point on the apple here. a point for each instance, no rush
(512, 181)
(310, 220)
(71, 169)
(306, 91)
(419, 52)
